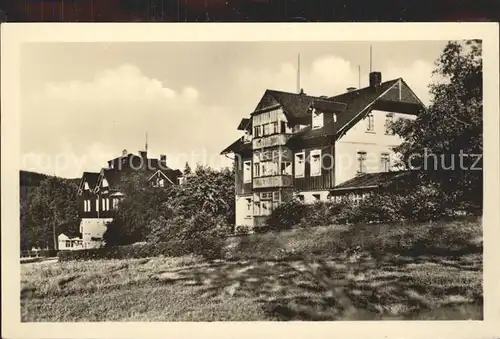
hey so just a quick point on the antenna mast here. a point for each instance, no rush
(370, 58)
(298, 73)
(359, 76)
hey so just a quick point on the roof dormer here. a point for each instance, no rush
(318, 119)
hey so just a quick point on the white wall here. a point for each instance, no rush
(241, 211)
(309, 196)
(373, 143)
(93, 228)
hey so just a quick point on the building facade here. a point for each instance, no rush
(100, 193)
(295, 145)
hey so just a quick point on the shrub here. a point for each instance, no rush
(199, 235)
(287, 215)
(123, 252)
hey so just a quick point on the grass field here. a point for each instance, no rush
(191, 289)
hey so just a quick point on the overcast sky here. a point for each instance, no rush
(83, 103)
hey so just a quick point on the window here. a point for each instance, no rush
(247, 171)
(316, 197)
(361, 162)
(256, 170)
(286, 168)
(180, 180)
(249, 207)
(161, 182)
(299, 165)
(68, 243)
(266, 129)
(315, 163)
(86, 186)
(104, 183)
(389, 120)
(257, 131)
(371, 123)
(97, 205)
(103, 204)
(317, 120)
(85, 209)
(356, 198)
(282, 127)
(265, 202)
(107, 204)
(385, 162)
(274, 127)
(115, 203)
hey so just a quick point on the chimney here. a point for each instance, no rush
(124, 152)
(163, 160)
(375, 79)
(350, 89)
(302, 91)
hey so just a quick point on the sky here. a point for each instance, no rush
(83, 103)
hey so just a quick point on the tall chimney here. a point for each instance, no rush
(375, 79)
(163, 160)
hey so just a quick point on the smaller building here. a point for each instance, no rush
(362, 185)
(66, 243)
(100, 193)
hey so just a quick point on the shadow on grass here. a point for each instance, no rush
(325, 289)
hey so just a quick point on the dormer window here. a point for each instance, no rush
(317, 119)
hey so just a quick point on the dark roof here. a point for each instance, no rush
(349, 108)
(324, 105)
(171, 174)
(371, 180)
(113, 176)
(243, 124)
(294, 105)
(91, 178)
(356, 102)
(238, 147)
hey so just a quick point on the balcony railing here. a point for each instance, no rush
(273, 181)
(270, 141)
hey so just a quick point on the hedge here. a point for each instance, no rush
(40, 253)
(143, 250)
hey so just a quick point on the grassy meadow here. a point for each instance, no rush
(308, 282)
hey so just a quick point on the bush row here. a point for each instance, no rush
(442, 238)
(426, 204)
(174, 237)
(142, 250)
(40, 253)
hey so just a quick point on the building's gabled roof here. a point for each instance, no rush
(239, 146)
(357, 101)
(371, 180)
(295, 106)
(244, 124)
(91, 178)
(349, 107)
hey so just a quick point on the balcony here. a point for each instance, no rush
(270, 141)
(273, 181)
